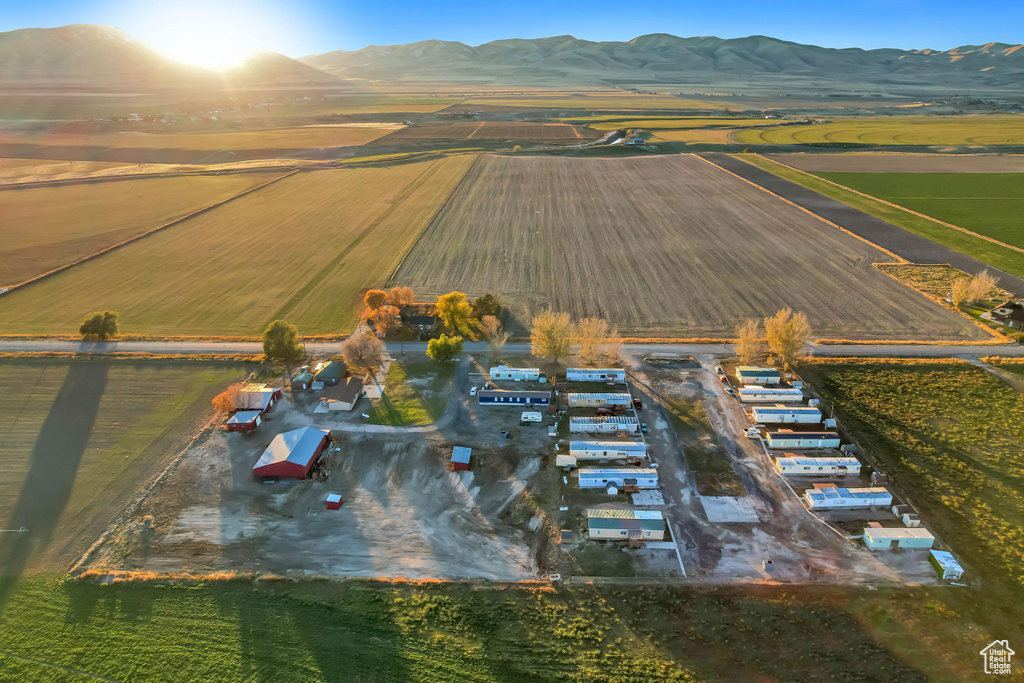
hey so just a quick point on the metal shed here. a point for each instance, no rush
(244, 421)
(302, 381)
(292, 454)
(331, 373)
(460, 457)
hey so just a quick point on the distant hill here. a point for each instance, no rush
(103, 56)
(663, 59)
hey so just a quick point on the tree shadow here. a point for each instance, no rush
(56, 457)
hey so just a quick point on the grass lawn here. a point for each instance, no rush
(991, 204)
(934, 280)
(79, 438)
(414, 394)
(950, 434)
(983, 250)
(901, 130)
(437, 633)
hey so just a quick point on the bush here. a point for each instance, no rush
(444, 348)
(100, 325)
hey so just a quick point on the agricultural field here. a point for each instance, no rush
(991, 204)
(980, 131)
(333, 234)
(861, 162)
(675, 123)
(46, 227)
(45, 169)
(489, 130)
(652, 245)
(80, 438)
(934, 280)
(949, 434)
(615, 101)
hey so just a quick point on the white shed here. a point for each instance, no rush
(595, 375)
(596, 477)
(886, 538)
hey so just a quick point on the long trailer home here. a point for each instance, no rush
(787, 438)
(515, 374)
(599, 478)
(607, 424)
(625, 525)
(780, 414)
(750, 374)
(599, 400)
(600, 450)
(494, 397)
(756, 394)
(595, 375)
(798, 465)
(884, 538)
(836, 498)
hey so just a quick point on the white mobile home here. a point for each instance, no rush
(595, 375)
(795, 465)
(598, 478)
(598, 400)
(755, 394)
(603, 424)
(787, 438)
(749, 375)
(885, 539)
(515, 374)
(625, 525)
(836, 498)
(780, 414)
(945, 565)
(612, 450)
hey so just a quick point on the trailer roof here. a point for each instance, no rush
(600, 396)
(604, 419)
(800, 460)
(243, 416)
(608, 445)
(613, 471)
(897, 532)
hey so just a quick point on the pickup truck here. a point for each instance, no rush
(637, 404)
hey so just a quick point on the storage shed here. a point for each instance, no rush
(787, 438)
(595, 375)
(756, 394)
(780, 414)
(625, 525)
(598, 400)
(836, 498)
(302, 381)
(911, 520)
(516, 374)
(257, 397)
(604, 424)
(796, 465)
(640, 477)
(244, 421)
(460, 457)
(495, 397)
(331, 373)
(886, 539)
(342, 396)
(750, 375)
(945, 565)
(333, 501)
(292, 454)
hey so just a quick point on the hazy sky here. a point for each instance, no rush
(303, 27)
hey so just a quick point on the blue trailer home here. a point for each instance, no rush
(787, 438)
(492, 397)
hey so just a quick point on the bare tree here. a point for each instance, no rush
(496, 346)
(590, 334)
(551, 336)
(750, 346)
(959, 291)
(490, 325)
(611, 347)
(362, 351)
(386, 320)
(400, 296)
(981, 287)
(787, 333)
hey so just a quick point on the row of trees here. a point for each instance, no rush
(783, 335)
(552, 335)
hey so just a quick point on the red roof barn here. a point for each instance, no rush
(460, 457)
(244, 421)
(292, 454)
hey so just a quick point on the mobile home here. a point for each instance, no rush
(885, 538)
(945, 565)
(755, 394)
(491, 397)
(750, 375)
(787, 438)
(836, 498)
(595, 375)
(604, 424)
(619, 450)
(597, 478)
(599, 400)
(780, 414)
(795, 465)
(625, 525)
(515, 374)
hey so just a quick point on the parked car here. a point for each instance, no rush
(730, 391)
(506, 434)
(605, 411)
(553, 430)
(637, 404)
(643, 427)
(472, 391)
(722, 378)
(753, 433)
(718, 369)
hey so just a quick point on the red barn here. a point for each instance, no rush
(292, 454)
(460, 458)
(257, 398)
(244, 421)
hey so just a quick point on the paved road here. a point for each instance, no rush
(395, 348)
(897, 240)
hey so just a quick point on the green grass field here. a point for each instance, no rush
(606, 122)
(79, 437)
(302, 249)
(965, 130)
(950, 434)
(990, 204)
(999, 256)
(414, 394)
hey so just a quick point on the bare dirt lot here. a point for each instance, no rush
(663, 246)
(902, 163)
(484, 130)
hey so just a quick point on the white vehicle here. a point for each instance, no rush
(553, 430)
(753, 433)
(530, 416)
(472, 391)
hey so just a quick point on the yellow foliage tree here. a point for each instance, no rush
(787, 333)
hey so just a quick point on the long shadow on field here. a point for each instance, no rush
(54, 467)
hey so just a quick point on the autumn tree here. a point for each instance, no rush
(981, 287)
(551, 336)
(590, 334)
(400, 296)
(490, 325)
(496, 346)
(444, 348)
(226, 400)
(750, 345)
(611, 347)
(375, 298)
(100, 326)
(282, 341)
(386, 320)
(362, 351)
(487, 304)
(787, 333)
(454, 311)
(959, 291)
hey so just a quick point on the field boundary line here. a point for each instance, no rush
(426, 226)
(88, 180)
(895, 206)
(899, 259)
(136, 238)
(68, 669)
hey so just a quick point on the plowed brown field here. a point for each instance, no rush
(484, 130)
(664, 246)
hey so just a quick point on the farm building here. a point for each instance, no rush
(796, 465)
(421, 323)
(257, 397)
(292, 454)
(911, 519)
(493, 397)
(624, 525)
(885, 538)
(331, 373)
(460, 457)
(1010, 314)
(945, 565)
(598, 400)
(596, 477)
(836, 498)
(755, 394)
(333, 501)
(748, 375)
(595, 375)
(244, 421)
(342, 396)
(603, 424)
(515, 374)
(787, 438)
(780, 414)
(302, 381)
